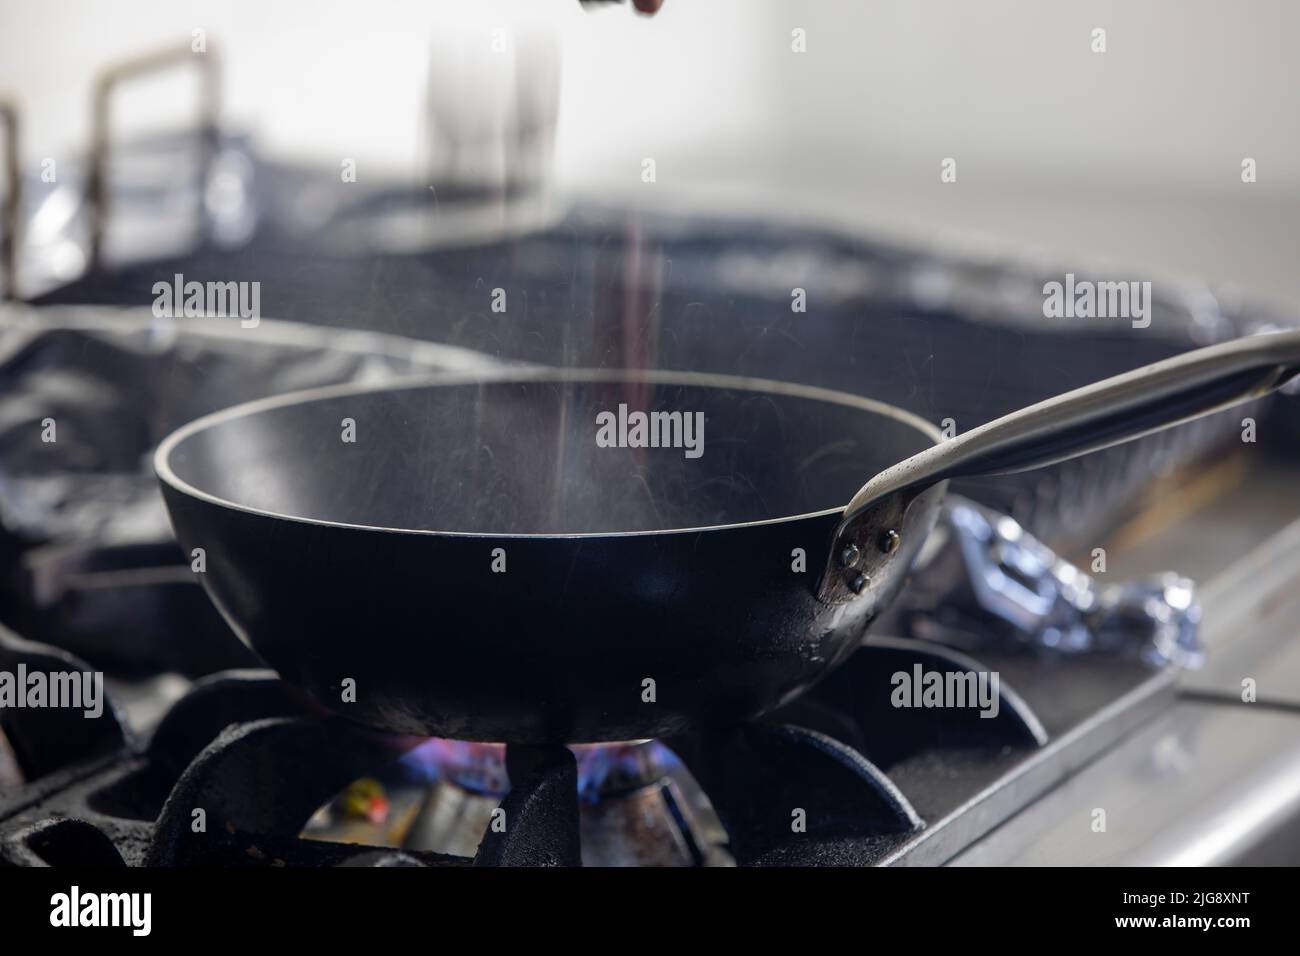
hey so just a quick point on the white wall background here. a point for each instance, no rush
(1132, 156)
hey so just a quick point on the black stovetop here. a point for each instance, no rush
(875, 784)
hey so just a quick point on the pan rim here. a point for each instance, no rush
(166, 475)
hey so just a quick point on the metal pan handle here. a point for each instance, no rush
(11, 211)
(97, 192)
(1087, 419)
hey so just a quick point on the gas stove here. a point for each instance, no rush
(1119, 688)
(200, 758)
(235, 768)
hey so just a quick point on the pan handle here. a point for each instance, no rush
(11, 212)
(1087, 419)
(97, 191)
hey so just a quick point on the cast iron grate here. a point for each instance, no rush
(876, 783)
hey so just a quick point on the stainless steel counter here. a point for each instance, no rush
(1211, 780)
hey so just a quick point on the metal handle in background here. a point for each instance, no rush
(13, 201)
(1087, 419)
(109, 80)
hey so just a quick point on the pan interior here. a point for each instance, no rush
(544, 457)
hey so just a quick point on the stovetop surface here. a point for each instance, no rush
(891, 792)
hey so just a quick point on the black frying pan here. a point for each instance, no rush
(643, 590)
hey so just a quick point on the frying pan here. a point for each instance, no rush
(473, 563)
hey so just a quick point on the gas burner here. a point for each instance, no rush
(637, 804)
(604, 770)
